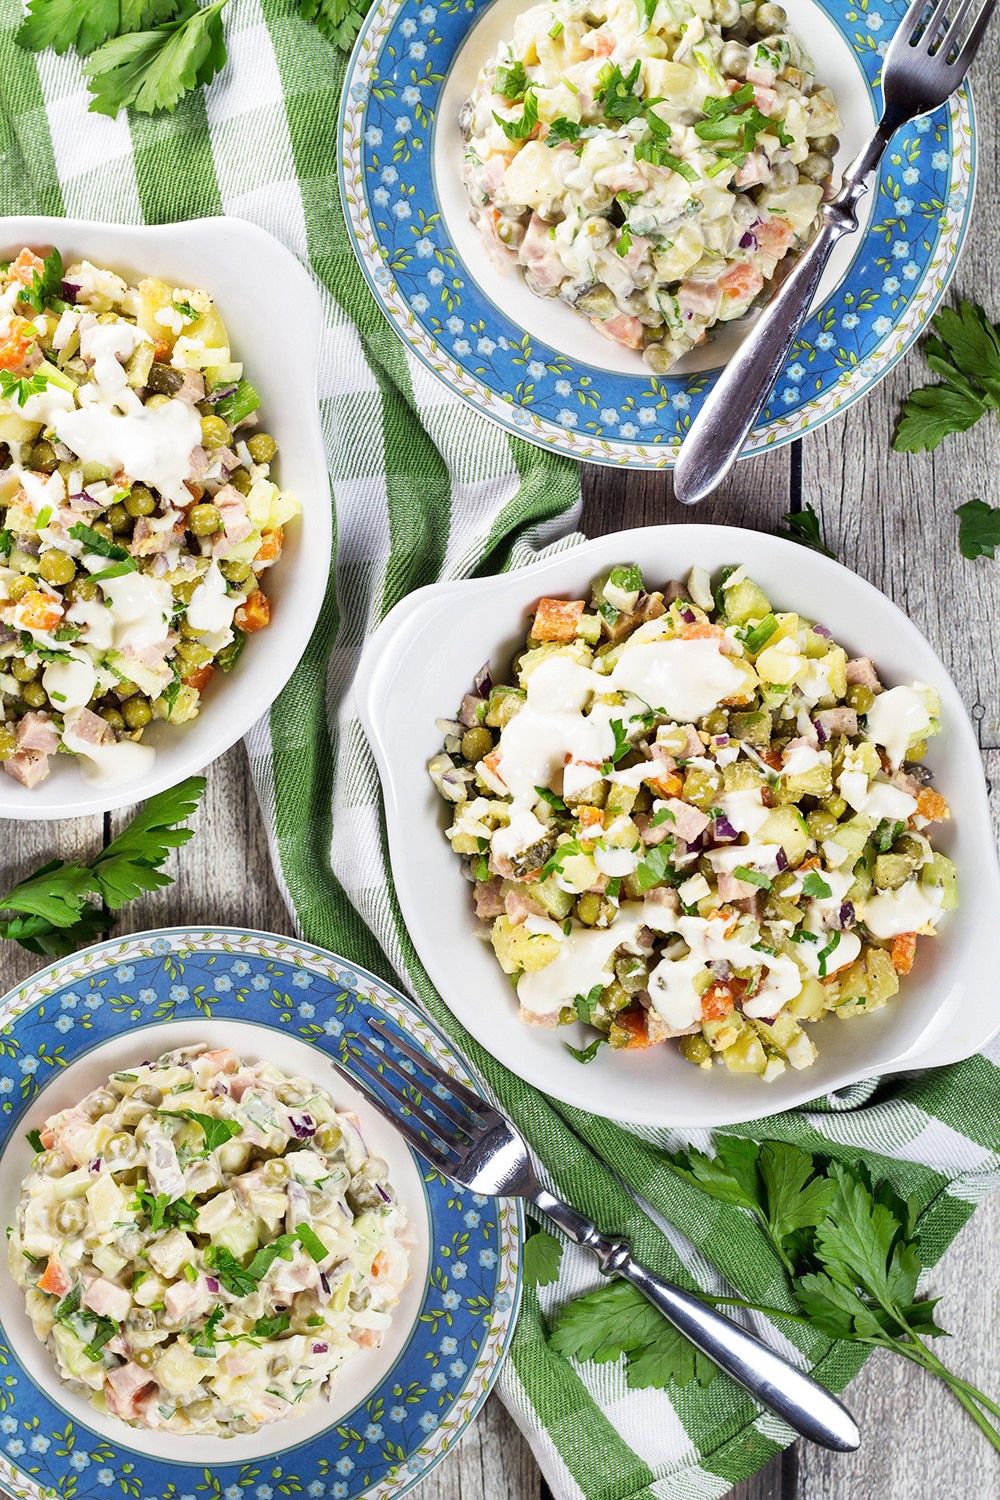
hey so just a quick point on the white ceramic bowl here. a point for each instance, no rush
(422, 660)
(242, 267)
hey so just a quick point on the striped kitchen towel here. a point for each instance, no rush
(424, 489)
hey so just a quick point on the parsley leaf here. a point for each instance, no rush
(34, 1140)
(227, 1269)
(95, 542)
(216, 1132)
(153, 69)
(20, 387)
(512, 82)
(752, 877)
(656, 868)
(615, 93)
(795, 1198)
(622, 746)
(519, 130)
(269, 1328)
(585, 1003)
(804, 527)
(815, 886)
(311, 1243)
(616, 1320)
(61, 24)
(542, 1254)
(978, 529)
(563, 129)
(55, 914)
(588, 1053)
(46, 284)
(964, 351)
(339, 20)
(552, 798)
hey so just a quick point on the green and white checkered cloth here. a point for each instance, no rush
(423, 490)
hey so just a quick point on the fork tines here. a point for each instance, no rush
(928, 28)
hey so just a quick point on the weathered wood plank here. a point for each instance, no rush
(756, 495)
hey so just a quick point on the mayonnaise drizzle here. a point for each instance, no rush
(897, 717)
(911, 908)
(111, 764)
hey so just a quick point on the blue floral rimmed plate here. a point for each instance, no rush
(534, 366)
(395, 1411)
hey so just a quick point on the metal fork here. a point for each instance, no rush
(469, 1141)
(923, 66)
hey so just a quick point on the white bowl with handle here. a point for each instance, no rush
(422, 660)
(245, 270)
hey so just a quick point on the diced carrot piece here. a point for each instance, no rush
(604, 43)
(557, 619)
(741, 282)
(702, 630)
(492, 762)
(55, 1279)
(634, 1022)
(621, 329)
(255, 614)
(270, 546)
(380, 1266)
(47, 1137)
(904, 948)
(16, 344)
(200, 678)
(223, 1059)
(37, 611)
(23, 269)
(667, 784)
(774, 236)
(719, 1000)
(590, 817)
(932, 806)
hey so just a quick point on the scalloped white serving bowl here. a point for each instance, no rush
(241, 266)
(421, 661)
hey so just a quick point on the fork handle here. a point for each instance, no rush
(772, 1380)
(732, 407)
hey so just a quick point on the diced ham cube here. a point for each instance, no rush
(861, 673)
(191, 388)
(537, 254)
(89, 727)
(689, 822)
(621, 329)
(518, 905)
(774, 236)
(107, 1299)
(125, 1388)
(185, 1300)
(37, 732)
(489, 901)
(842, 720)
(29, 767)
(698, 299)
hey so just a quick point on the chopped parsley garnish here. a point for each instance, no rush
(161, 1212)
(622, 746)
(46, 285)
(656, 868)
(512, 82)
(311, 1243)
(585, 1003)
(661, 816)
(20, 387)
(563, 852)
(34, 1140)
(752, 877)
(654, 153)
(269, 1328)
(624, 244)
(827, 952)
(216, 1132)
(586, 1054)
(814, 885)
(520, 130)
(6, 542)
(552, 798)
(615, 93)
(886, 834)
(116, 570)
(95, 542)
(186, 311)
(563, 129)
(804, 527)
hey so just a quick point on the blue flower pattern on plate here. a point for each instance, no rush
(898, 274)
(467, 1315)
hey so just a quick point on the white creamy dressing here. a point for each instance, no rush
(584, 959)
(211, 609)
(140, 609)
(911, 908)
(686, 679)
(752, 856)
(555, 742)
(897, 717)
(798, 759)
(745, 810)
(672, 990)
(876, 799)
(108, 765)
(96, 621)
(70, 683)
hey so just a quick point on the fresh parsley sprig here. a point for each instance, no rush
(851, 1249)
(964, 351)
(804, 526)
(978, 529)
(152, 70)
(54, 910)
(19, 387)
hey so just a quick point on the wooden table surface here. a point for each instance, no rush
(891, 518)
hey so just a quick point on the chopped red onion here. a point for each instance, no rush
(822, 630)
(748, 240)
(821, 733)
(846, 917)
(211, 1283)
(382, 1193)
(324, 1282)
(468, 714)
(688, 616)
(219, 393)
(483, 682)
(724, 829)
(95, 1166)
(721, 739)
(320, 1348)
(302, 1123)
(69, 291)
(720, 967)
(781, 859)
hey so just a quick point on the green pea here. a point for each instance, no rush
(234, 571)
(71, 1216)
(101, 1103)
(240, 480)
(860, 698)
(118, 518)
(822, 825)
(43, 457)
(18, 587)
(262, 447)
(34, 695)
(149, 1093)
(57, 567)
(23, 670)
(137, 713)
(113, 717)
(81, 589)
(8, 742)
(204, 519)
(475, 744)
(140, 501)
(717, 722)
(276, 1172)
(214, 432)
(121, 1148)
(143, 1358)
(329, 1136)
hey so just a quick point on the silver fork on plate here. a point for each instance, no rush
(469, 1141)
(924, 65)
